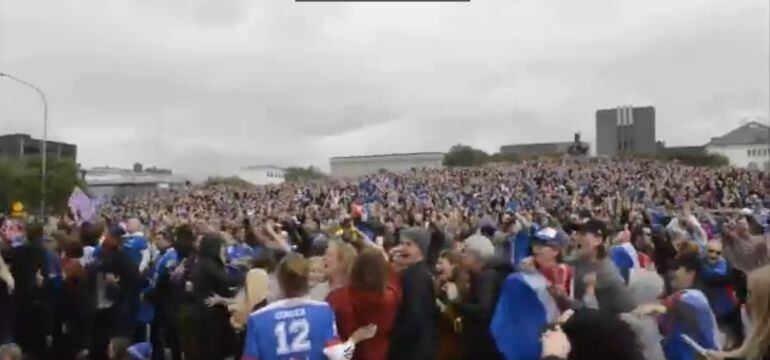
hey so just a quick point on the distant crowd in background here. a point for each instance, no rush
(559, 259)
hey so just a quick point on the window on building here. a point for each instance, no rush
(748, 152)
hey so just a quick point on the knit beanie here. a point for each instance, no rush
(419, 236)
(481, 245)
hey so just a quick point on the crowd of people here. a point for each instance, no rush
(557, 259)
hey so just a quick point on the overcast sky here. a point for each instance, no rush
(208, 86)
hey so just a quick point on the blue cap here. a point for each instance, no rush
(551, 237)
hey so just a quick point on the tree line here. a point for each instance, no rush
(20, 180)
(467, 156)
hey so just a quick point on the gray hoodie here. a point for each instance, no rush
(645, 287)
(611, 291)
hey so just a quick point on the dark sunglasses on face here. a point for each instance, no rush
(716, 252)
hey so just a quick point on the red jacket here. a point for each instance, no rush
(356, 308)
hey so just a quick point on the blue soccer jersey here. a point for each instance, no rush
(290, 329)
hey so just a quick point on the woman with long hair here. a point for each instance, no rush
(373, 285)
(449, 278)
(74, 299)
(295, 326)
(338, 263)
(756, 346)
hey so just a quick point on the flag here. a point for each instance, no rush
(688, 313)
(524, 309)
(81, 205)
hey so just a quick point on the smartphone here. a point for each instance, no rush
(699, 349)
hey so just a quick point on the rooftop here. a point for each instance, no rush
(748, 134)
(388, 155)
(27, 136)
(263, 167)
(116, 176)
(542, 143)
(628, 107)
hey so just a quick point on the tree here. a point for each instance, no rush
(302, 174)
(504, 158)
(20, 181)
(465, 156)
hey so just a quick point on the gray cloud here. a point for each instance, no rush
(207, 86)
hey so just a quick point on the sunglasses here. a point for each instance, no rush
(717, 252)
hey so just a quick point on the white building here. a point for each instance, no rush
(747, 146)
(262, 174)
(351, 166)
(109, 182)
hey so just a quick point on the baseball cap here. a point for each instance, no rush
(551, 237)
(594, 226)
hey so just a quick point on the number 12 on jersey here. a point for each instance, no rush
(292, 336)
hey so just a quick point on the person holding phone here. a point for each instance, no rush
(756, 346)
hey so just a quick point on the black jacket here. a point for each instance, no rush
(124, 295)
(26, 261)
(216, 336)
(33, 303)
(414, 335)
(476, 312)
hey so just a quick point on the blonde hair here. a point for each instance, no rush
(757, 343)
(316, 269)
(346, 254)
(254, 292)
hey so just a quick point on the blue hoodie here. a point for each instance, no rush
(688, 314)
(717, 277)
(135, 244)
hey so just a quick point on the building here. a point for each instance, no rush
(351, 166)
(111, 182)
(156, 170)
(22, 144)
(546, 149)
(747, 146)
(262, 174)
(625, 131)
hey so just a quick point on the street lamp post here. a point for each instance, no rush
(43, 170)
